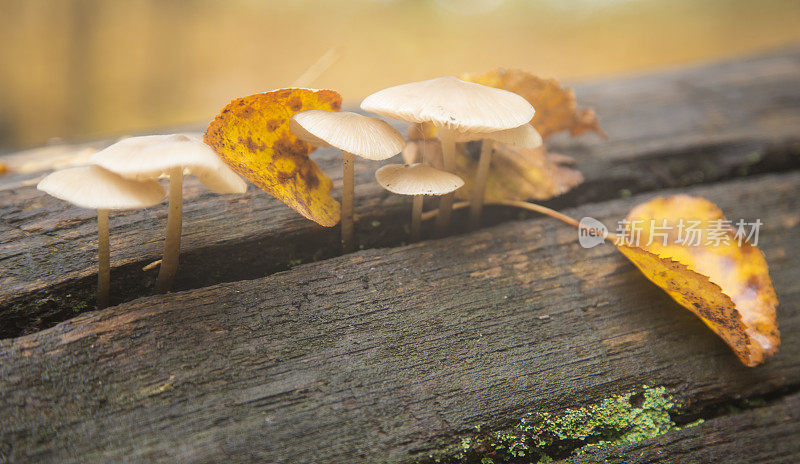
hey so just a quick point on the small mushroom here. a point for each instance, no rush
(456, 108)
(96, 188)
(417, 180)
(525, 136)
(353, 134)
(153, 156)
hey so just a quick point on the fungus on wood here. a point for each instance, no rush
(96, 188)
(353, 134)
(456, 108)
(417, 180)
(153, 156)
(524, 136)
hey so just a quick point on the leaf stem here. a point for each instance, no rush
(523, 205)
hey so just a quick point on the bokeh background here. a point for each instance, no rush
(79, 69)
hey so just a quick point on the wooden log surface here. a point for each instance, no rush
(392, 354)
(387, 354)
(666, 130)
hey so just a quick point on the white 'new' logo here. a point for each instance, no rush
(591, 232)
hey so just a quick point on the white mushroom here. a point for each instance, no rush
(417, 180)
(353, 134)
(152, 156)
(97, 188)
(525, 136)
(456, 108)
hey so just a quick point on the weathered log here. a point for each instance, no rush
(680, 128)
(389, 355)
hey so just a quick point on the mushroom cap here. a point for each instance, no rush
(524, 136)
(451, 103)
(417, 179)
(369, 138)
(97, 188)
(151, 156)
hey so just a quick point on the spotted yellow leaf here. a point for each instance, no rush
(252, 136)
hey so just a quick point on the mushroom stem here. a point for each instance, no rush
(103, 264)
(478, 189)
(422, 154)
(348, 191)
(416, 218)
(172, 242)
(449, 164)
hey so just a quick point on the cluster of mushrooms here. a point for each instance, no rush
(123, 176)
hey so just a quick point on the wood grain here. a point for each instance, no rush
(387, 354)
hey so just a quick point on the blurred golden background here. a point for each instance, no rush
(77, 69)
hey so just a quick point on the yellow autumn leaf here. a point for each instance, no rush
(556, 108)
(252, 136)
(686, 246)
(514, 173)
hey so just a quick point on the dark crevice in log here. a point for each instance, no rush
(256, 257)
(726, 406)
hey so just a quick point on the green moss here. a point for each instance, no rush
(692, 424)
(754, 402)
(542, 437)
(621, 422)
(81, 306)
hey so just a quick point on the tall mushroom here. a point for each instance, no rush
(456, 108)
(525, 136)
(96, 188)
(153, 156)
(353, 134)
(417, 180)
